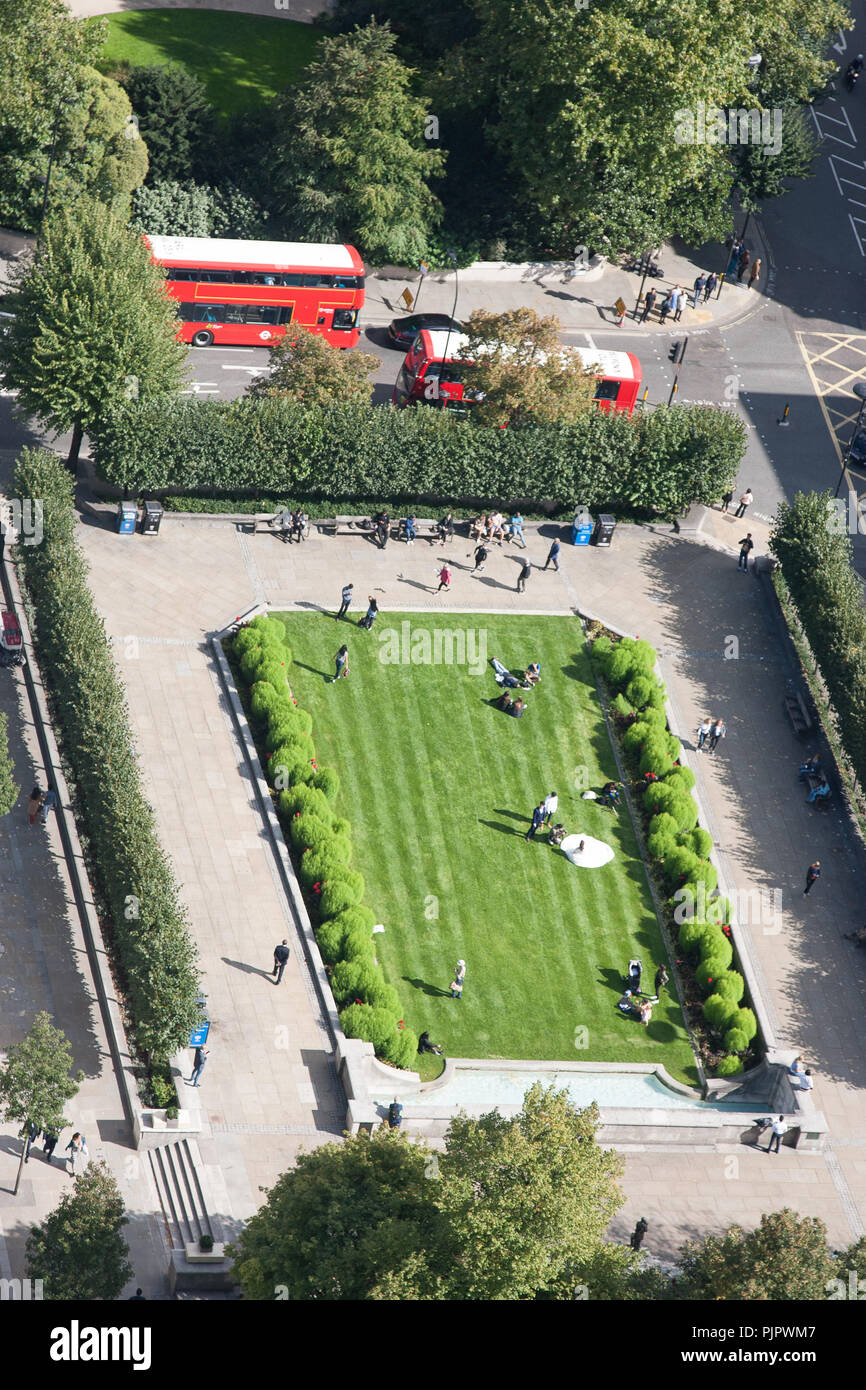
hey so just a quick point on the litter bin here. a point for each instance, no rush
(604, 529)
(581, 528)
(151, 518)
(126, 516)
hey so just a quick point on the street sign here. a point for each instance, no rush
(198, 1036)
(619, 306)
(407, 299)
(423, 268)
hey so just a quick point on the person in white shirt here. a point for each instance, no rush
(703, 733)
(550, 803)
(779, 1128)
(805, 1082)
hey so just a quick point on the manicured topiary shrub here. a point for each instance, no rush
(729, 1066)
(329, 939)
(341, 826)
(678, 865)
(355, 977)
(357, 941)
(384, 996)
(714, 945)
(327, 779)
(684, 778)
(639, 691)
(637, 735)
(306, 800)
(245, 640)
(731, 986)
(620, 708)
(708, 971)
(275, 672)
(354, 880)
(336, 896)
(305, 720)
(663, 835)
(308, 832)
(264, 699)
(690, 935)
(282, 729)
(601, 650)
(401, 1049)
(654, 755)
(706, 874)
(679, 804)
(318, 867)
(719, 1012)
(700, 840)
(745, 1022)
(736, 1040)
(373, 1025)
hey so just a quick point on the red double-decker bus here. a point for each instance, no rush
(249, 292)
(428, 376)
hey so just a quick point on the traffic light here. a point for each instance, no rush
(674, 354)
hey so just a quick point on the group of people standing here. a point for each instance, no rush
(740, 262)
(40, 803)
(710, 732)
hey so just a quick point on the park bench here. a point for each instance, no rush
(821, 803)
(796, 711)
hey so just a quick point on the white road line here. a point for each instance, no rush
(835, 176)
(842, 45)
(241, 367)
(589, 343)
(854, 230)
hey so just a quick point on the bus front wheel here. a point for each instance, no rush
(202, 338)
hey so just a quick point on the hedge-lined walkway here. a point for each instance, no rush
(683, 597)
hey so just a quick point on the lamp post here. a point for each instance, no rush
(860, 393)
(64, 101)
(452, 256)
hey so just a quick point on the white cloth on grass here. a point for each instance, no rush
(594, 854)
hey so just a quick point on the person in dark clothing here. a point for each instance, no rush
(32, 1133)
(747, 545)
(638, 1233)
(346, 599)
(425, 1045)
(370, 616)
(137, 1297)
(813, 873)
(446, 529)
(712, 281)
(395, 1114)
(553, 556)
(727, 499)
(49, 1143)
(648, 305)
(281, 955)
(383, 528)
(537, 821)
(743, 263)
(504, 701)
(557, 834)
(516, 709)
(524, 574)
(480, 559)
(661, 980)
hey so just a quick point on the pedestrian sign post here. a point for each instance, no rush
(619, 307)
(198, 1036)
(407, 299)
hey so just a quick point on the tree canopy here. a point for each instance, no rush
(79, 1251)
(521, 371)
(786, 1257)
(35, 1082)
(306, 367)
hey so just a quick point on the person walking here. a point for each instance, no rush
(779, 1128)
(198, 1064)
(550, 805)
(678, 299)
(746, 546)
(700, 285)
(661, 980)
(727, 499)
(370, 616)
(480, 559)
(648, 305)
(537, 821)
(346, 600)
(49, 1143)
(281, 955)
(638, 1233)
(742, 264)
(34, 805)
(341, 663)
(49, 801)
(395, 1114)
(756, 270)
(444, 576)
(703, 733)
(813, 873)
(76, 1148)
(709, 287)
(717, 733)
(524, 574)
(553, 556)
(746, 500)
(456, 986)
(32, 1132)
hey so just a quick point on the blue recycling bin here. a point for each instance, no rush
(126, 518)
(581, 528)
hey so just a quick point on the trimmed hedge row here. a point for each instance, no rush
(320, 840)
(146, 921)
(659, 461)
(675, 839)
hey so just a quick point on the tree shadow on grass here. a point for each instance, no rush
(326, 675)
(504, 829)
(426, 988)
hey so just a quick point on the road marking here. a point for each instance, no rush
(852, 220)
(240, 367)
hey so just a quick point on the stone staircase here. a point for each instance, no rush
(178, 1173)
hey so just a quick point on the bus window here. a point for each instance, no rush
(345, 318)
(607, 390)
(262, 313)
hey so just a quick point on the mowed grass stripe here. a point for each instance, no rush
(429, 771)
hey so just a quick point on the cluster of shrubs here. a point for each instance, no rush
(677, 843)
(305, 794)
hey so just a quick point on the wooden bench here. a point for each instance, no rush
(799, 716)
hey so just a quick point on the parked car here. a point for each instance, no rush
(403, 332)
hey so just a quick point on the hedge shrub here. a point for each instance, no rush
(660, 461)
(714, 945)
(678, 865)
(731, 986)
(327, 779)
(747, 1023)
(700, 840)
(708, 971)
(719, 1012)
(690, 935)
(730, 1066)
(736, 1040)
(154, 947)
(336, 896)
(662, 836)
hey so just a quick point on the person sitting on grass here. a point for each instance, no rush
(610, 792)
(626, 1005)
(557, 834)
(517, 708)
(425, 1045)
(532, 675)
(646, 1013)
(504, 702)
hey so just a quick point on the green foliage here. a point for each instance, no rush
(327, 780)
(355, 977)
(655, 755)
(176, 120)
(679, 865)
(719, 1012)
(708, 971)
(305, 367)
(746, 1023)
(108, 159)
(621, 708)
(520, 373)
(759, 176)
(9, 788)
(92, 325)
(674, 802)
(167, 208)
(786, 1258)
(816, 559)
(690, 935)
(684, 778)
(736, 1040)
(731, 986)
(337, 895)
(371, 1025)
(35, 1080)
(641, 691)
(715, 946)
(371, 186)
(343, 449)
(662, 835)
(308, 832)
(729, 1066)
(706, 874)
(401, 1049)
(636, 736)
(329, 939)
(700, 840)
(78, 1251)
(143, 914)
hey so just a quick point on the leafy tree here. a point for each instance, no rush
(520, 370)
(307, 368)
(43, 57)
(786, 1257)
(761, 174)
(78, 1251)
(93, 323)
(101, 152)
(35, 1082)
(168, 208)
(792, 37)
(335, 1225)
(9, 788)
(351, 161)
(175, 117)
(423, 31)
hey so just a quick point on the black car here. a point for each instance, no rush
(403, 332)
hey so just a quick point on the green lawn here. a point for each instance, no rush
(242, 59)
(439, 787)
